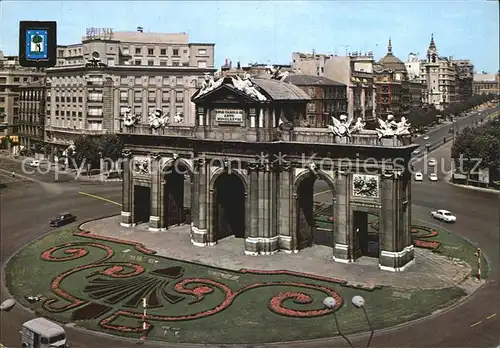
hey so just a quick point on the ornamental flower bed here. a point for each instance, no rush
(433, 245)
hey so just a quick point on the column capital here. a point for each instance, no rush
(155, 156)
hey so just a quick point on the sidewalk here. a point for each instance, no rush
(430, 271)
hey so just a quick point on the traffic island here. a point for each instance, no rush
(98, 282)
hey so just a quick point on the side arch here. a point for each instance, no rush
(171, 162)
(320, 175)
(219, 171)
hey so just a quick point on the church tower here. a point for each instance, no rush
(432, 75)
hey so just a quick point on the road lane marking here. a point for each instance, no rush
(100, 198)
(491, 316)
(475, 324)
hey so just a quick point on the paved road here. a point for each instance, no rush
(437, 135)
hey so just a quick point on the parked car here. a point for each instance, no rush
(443, 215)
(433, 177)
(432, 162)
(62, 219)
(419, 176)
(426, 137)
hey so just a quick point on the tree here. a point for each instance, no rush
(86, 151)
(37, 40)
(110, 146)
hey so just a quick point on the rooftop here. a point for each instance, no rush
(279, 90)
(309, 80)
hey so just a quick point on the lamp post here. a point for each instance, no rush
(331, 303)
(359, 302)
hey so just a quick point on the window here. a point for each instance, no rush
(202, 51)
(151, 51)
(179, 80)
(126, 50)
(175, 51)
(165, 96)
(124, 96)
(163, 52)
(80, 99)
(202, 64)
(95, 111)
(152, 80)
(138, 80)
(151, 62)
(185, 64)
(137, 96)
(166, 81)
(151, 96)
(95, 96)
(137, 110)
(137, 51)
(179, 96)
(163, 62)
(73, 99)
(137, 62)
(175, 63)
(111, 61)
(123, 80)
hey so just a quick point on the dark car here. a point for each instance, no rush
(62, 219)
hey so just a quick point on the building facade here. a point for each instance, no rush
(438, 74)
(392, 85)
(328, 98)
(463, 79)
(486, 84)
(266, 202)
(354, 70)
(97, 80)
(12, 76)
(31, 118)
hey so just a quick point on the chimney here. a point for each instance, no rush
(226, 62)
(230, 64)
(239, 66)
(140, 29)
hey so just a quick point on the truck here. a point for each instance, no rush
(42, 333)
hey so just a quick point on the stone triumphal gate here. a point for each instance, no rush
(247, 169)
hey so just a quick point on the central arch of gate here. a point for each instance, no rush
(238, 173)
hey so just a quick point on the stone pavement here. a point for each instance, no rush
(430, 270)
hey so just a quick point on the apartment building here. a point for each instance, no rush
(354, 70)
(464, 77)
(392, 85)
(12, 76)
(328, 98)
(486, 84)
(96, 80)
(438, 74)
(31, 117)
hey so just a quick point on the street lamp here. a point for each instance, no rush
(359, 302)
(331, 303)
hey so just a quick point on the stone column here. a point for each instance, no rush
(252, 118)
(261, 118)
(201, 116)
(285, 201)
(156, 196)
(342, 251)
(251, 240)
(199, 235)
(127, 212)
(395, 241)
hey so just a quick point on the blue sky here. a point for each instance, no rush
(269, 31)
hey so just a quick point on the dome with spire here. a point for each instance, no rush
(390, 61)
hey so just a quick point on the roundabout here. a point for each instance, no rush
(477, 329)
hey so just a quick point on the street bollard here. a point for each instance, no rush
(478, 254)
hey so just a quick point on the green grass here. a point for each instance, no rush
(247, 320)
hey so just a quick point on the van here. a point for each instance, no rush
(42, 333)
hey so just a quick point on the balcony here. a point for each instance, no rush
(75, 130)
(183, 131)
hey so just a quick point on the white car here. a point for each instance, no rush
(35, 163)
(426, 137)
(432, 162)
(443, 215)
(419, 176)
(433, 177)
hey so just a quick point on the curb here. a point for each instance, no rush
(473, 188)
